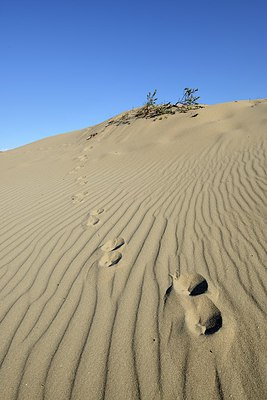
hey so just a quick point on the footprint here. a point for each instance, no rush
(75, 169)
(82, 180)
(88, 148)
(201, 314)
(204, 318)
(113, 244)
(78, 167)
(82, 157)
(79, 197)
(192, 284)
(92, 217)
(92, 220)
(109, 259)
(97, 211)
(91, 136)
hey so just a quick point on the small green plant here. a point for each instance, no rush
(151, 99)
(189, 98)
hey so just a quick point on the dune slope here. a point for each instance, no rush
(133, 260)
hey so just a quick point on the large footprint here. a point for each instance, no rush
(109, 259)
(97, 211)
(203, 317)
(201, 314)
(92, 218)
(192, 284)
(111, 256)
(113, 244)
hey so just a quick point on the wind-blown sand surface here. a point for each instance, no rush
(133, 262)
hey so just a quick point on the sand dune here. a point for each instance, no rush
(133, 260)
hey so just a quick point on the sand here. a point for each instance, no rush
(133, 260)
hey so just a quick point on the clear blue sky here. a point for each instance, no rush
(68, 64)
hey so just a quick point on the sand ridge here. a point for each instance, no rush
(133, 260)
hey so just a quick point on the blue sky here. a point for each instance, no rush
(70, 64)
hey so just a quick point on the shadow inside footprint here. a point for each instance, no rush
(167, 293)
(200, 288)
(208, 315)
(192, 284)
(216, 325)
